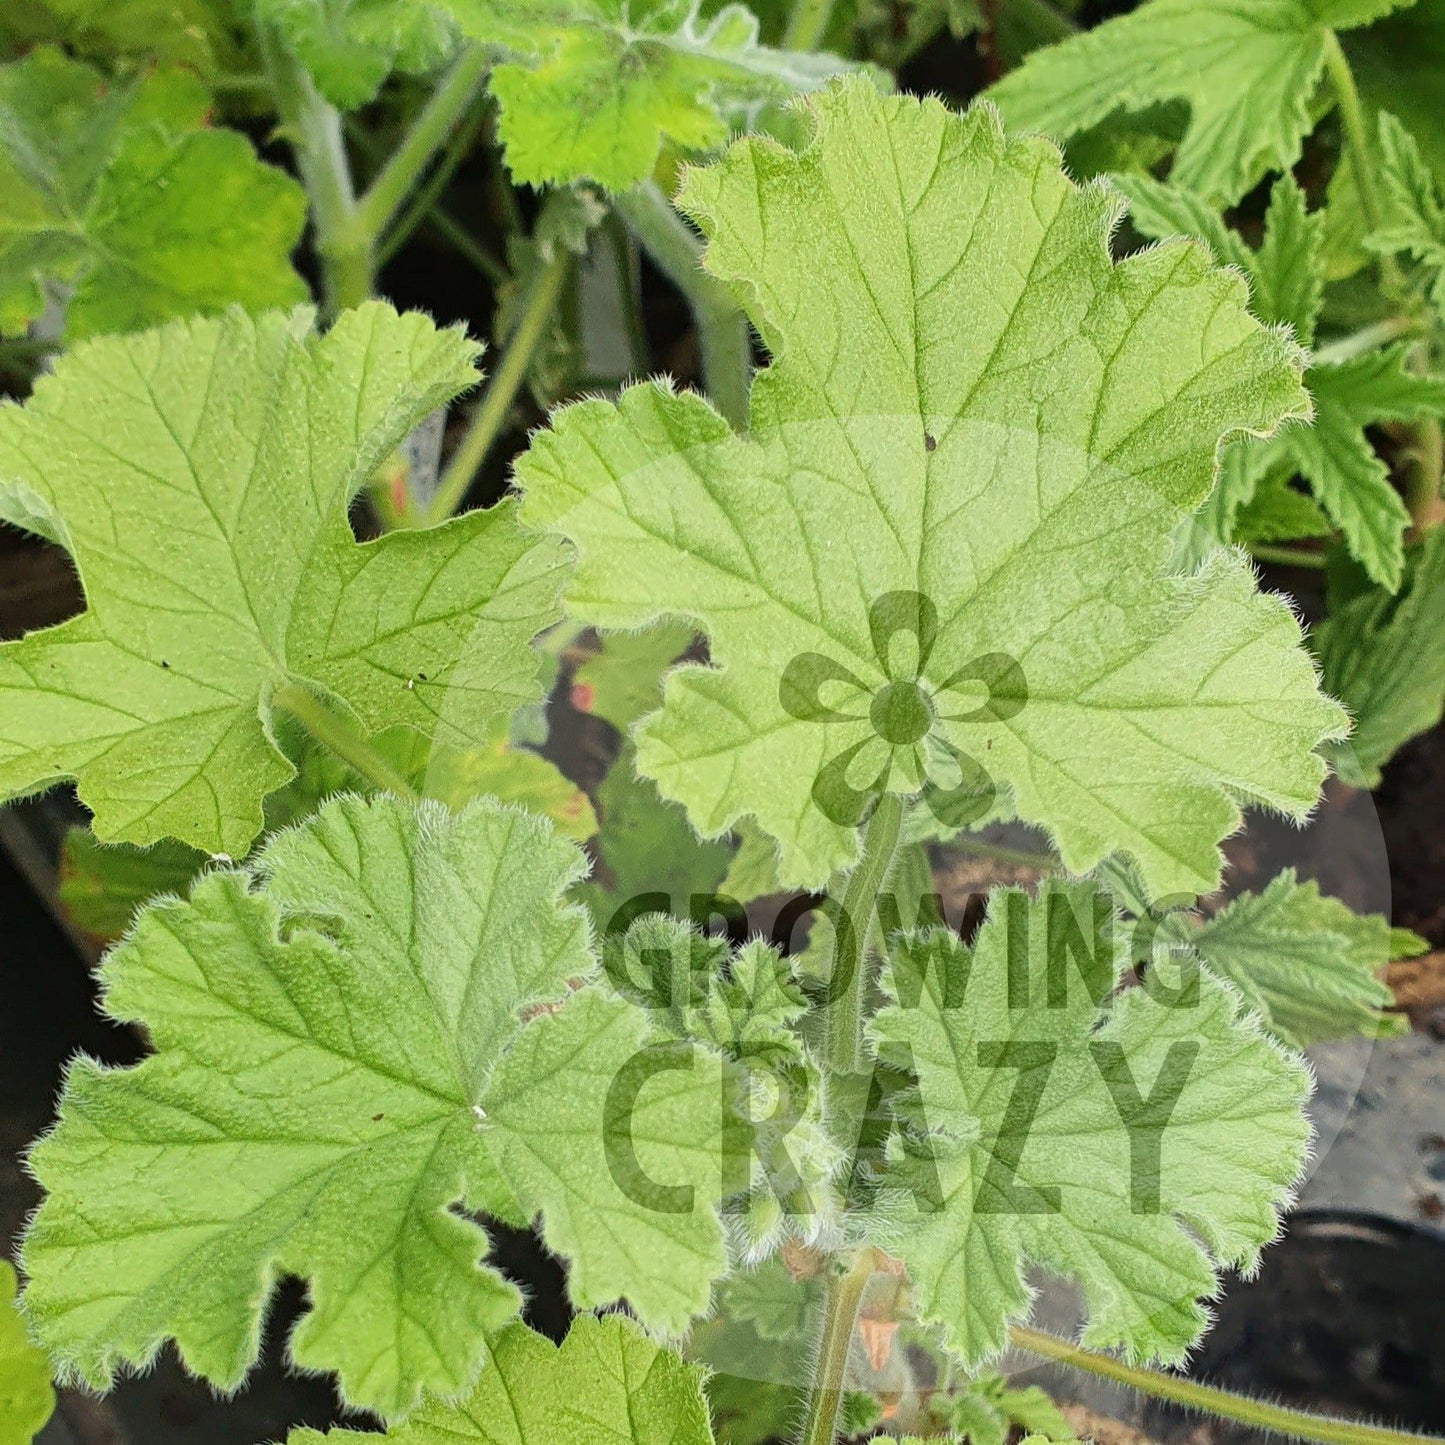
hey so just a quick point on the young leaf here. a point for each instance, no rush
(1248, 72)
(1384, 658)
(1333, 454)
(200, 476)
(1414, 219)
(1049, 1115)
(351, 46)
(591, 88)
(350, 1041)
(26, 1398)
(1310, 966)
(123, 193)
(965, 392)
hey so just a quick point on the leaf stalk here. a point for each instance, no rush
(501, 391)
(434, 125)
(722, 330)
(340, 736)
(1277, 1419)
(840, 1313)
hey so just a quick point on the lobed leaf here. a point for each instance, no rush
(1248, 71)
(376, 1026)
(590, 89)
(1025, 1018)
(122, 193)
(969, 404)
(200, 475)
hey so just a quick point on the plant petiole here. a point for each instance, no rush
(840, 1314)
(339, 735)
(1260, 1414)
(723, 334)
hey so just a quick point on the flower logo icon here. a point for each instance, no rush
(904, 715)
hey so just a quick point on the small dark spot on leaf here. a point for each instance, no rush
(377, 1118)
(164, 663)
(929, 443)
(421, 676)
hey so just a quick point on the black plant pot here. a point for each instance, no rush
(1347, 1317)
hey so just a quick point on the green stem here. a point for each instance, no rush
(1044, 862)
(840, 1314)
(851, 934)
(722, 329)
(1287, 556)
(313, 128)
(1352, 119)
(1297, 1424)
(341, 737)
(808, 24)
(467, 246)
(423, 201)
(1422, 492)
(1367, 338)
(425, 137)
(501, 391)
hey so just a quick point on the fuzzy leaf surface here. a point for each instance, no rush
(589, 89)
(199, 475)
(1307, 963)
(1414, 219)
(379, 1024)
(968, 403)
(607, 1384)
(1247, 69)
(351, 46)
(1143, 1236)
(121, 191)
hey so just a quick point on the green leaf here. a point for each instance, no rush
(1384, 658)
(1248, 72)
(122, 193)
(102, 888)
(1308, 964)
(199, 475)
(647, 846)
(1278, 513)
(1414, 219)
(26, 1398)
(1026, 1071)
(979, 1418)
(777, 1306)
(623, 681)
(964, 390)
(350, 1041)
(1333, 454)
(607, 1384)
(591, 88)
(195, 33)
(351, 46)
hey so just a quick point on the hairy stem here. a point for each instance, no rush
(808, 24)
(1352, 121)
(313, 128)
(1297, 1424)
(1020, 857)
(340, 736)
(851, 932)
(722, 329)
(428, 133)
(501, 391)
(840, 1313)
(1286, 556)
